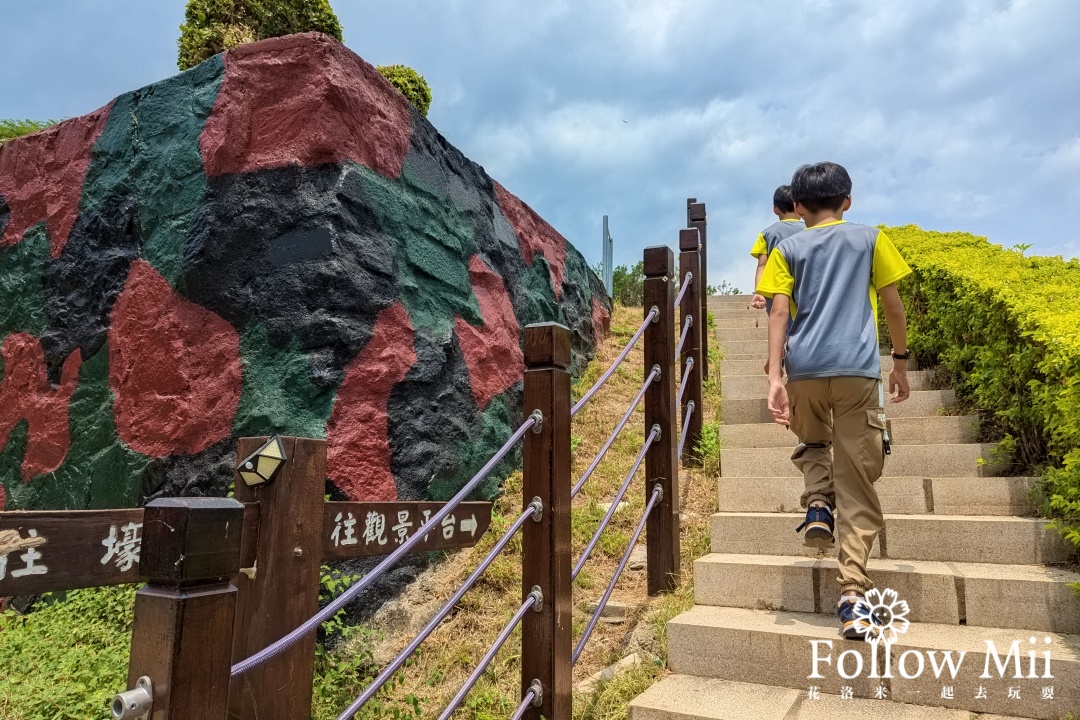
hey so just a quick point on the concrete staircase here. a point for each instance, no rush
(961, 546)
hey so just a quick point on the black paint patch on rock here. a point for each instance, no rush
(430, 413)
(205, 474)
(5, 214)
(84, 282)
(297, 250)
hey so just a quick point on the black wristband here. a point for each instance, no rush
(900, 356)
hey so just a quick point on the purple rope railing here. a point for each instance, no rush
(331, 609)
(685, 424)
(687, 279)
(653, 314)
(688, 321)
(615, 433)
(615, 503)
(397, 662)
(526, 703)
(685, 376)
(656, 493)
(489, 656)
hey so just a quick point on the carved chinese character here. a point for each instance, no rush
(402, 527)
(374, 528)
(347, 528)
(125, 549)
(448, 527)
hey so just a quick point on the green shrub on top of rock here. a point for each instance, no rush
(410, 83)
(1008, 328)
(213, 26)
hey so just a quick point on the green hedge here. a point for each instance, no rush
(1007, 329)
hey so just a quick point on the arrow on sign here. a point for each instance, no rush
(469, 526)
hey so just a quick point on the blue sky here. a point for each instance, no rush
(959, 115)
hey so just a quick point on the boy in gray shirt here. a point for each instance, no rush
(826, 280)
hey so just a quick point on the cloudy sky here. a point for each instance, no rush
(955, 115)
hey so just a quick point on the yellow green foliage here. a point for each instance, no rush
(213, 26)
(1007, 327)
(409, 83)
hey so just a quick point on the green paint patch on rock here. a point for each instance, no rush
(278, 395)
(433, 243)
(22, 293)
(150, 150)
(88, 479)
(494, 426)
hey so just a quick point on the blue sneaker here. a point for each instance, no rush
(819, 527)
(849, 608)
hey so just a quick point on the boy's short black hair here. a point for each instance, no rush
(781, 199)
(821, 186)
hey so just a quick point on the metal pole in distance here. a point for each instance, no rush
(690, 262)
(182, 635)
(609, 278)
(696, 212)
(661, 462)
(546, 564)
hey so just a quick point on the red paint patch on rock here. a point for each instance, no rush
(174, 367)
(534, 235)
(25, 394)
(601, 322)
(304, 100)
(357, 436)
(492, 352)
(42, 175)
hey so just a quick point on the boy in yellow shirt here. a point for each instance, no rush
(826, 281)
(788, 224)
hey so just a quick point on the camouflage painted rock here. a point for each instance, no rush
(273, 241)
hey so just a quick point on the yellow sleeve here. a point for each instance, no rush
(888, 266)
(776, 279)
(760, 247)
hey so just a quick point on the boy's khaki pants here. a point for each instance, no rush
(839, 423)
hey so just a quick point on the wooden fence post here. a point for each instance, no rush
(281, 591)
(696, 213)
(182, 634)
(690, 262)
(545, 635)
(661, 462)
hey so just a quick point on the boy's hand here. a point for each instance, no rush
(757, 302)
(898, 384)
(778, 403)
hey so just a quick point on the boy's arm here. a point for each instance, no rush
(778, 328)
(758, 301)
(896, 319)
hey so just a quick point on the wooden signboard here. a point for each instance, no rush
(65, 550)
(53, 550)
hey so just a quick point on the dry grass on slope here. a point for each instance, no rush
(447, 658)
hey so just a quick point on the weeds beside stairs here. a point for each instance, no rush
(961, 545)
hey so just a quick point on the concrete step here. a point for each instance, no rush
(936, 430)
(921, 403)
(945, 538)
(722, 300)
(744, 347)
(756, 384)
(1002, 496)
(740, 320)
(686, 697)
(971, 459)
(729, 334)
(1032, 597)
(789, 650)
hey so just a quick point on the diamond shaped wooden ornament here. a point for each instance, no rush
(261, 466)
